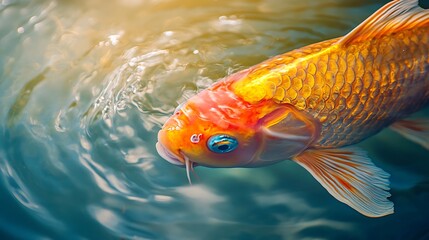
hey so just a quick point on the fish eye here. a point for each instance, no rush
(222, 143)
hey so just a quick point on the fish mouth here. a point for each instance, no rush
(176, 160)
(169, 156)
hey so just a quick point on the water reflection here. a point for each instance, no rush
(86, 85)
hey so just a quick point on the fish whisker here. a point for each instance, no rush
(193, 164)
(188, 165)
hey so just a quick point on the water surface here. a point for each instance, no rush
(86, 85)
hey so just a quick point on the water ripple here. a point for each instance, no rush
(86, 85)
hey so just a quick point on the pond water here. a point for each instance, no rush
(86, 85)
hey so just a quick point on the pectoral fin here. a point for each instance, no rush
(415, 130)
(350, 176)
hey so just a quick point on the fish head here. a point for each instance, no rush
(216, 128)
(213, 128)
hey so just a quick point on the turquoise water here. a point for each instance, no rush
(86, 85)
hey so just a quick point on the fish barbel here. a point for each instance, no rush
(309, 105)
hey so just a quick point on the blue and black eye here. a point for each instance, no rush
(222, 143)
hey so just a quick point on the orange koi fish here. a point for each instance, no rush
(310, 104)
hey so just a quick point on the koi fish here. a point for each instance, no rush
(309, 105)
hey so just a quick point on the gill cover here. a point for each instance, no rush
(285, 133)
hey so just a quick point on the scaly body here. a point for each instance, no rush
(309, 104)
(353, 91)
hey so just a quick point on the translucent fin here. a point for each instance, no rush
(350, 176)
(393, 17)
(414, 130)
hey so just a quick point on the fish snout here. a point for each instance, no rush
(171, 156)
(168, 146)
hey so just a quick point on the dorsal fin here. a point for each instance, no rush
(393, 17)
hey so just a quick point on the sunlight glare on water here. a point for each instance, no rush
(86, 85)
